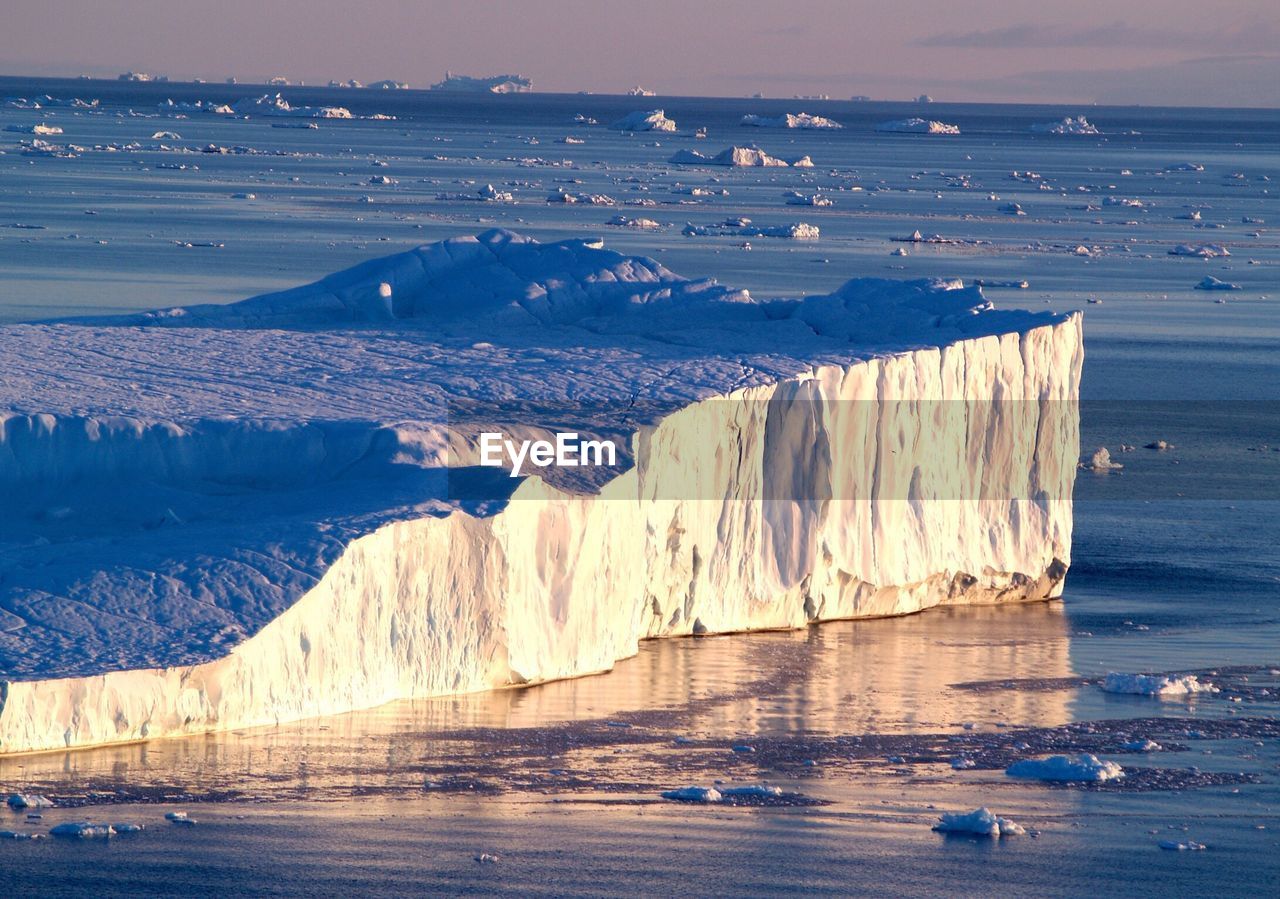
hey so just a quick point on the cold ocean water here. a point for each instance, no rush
(1175, 567)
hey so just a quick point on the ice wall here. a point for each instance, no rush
(733, 518)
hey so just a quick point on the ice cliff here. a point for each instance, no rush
(226, 516)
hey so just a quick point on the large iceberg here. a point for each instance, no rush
(787, 120)
(227, 516)
(1078, 125)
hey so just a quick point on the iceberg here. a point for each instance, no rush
(493, 84)
(918, 126)
(1078, 125)
(740, 157)
(38, 128)
(653, 120)
(226, 516)
(801, 120)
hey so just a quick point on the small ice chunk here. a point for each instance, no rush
(1142, 746)
(1209, 282)
(19, 801)
(1178, 846)
(1101, 461)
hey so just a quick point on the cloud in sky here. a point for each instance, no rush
(1253, 37)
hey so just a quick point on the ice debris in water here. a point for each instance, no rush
(29, 800)
(980, 822)
(1209, 282)
(1084, 768)
(694, 794)
(1155, 684)
(1101, 461)
(1176, 846)
(1142, 746)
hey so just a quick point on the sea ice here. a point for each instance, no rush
(1084, 768)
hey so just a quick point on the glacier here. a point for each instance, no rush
(230, 516)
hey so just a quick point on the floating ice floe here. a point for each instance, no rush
(1204, 250)
(694, 794)
(564, 196)
(1142, 746)
(1123, 201)
(1155, 684)
(19, 801)
(39, 128)
(182, 107)
(979, 822)
(1069, 125)
(918, 126)
(1185, 167)
(1209, 282)
(82, 829)
(730, 228)
(1084, 768)
(652, 120)
(641, 224)
(796, 198)
(166, 135)
(1181, 846)
(787, 120)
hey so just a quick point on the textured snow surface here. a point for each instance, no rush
(221, 516)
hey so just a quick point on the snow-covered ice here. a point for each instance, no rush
(284, 491)
(1084, 768)
(492, 84)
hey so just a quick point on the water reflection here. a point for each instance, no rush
(853, 677)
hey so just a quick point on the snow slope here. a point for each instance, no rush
(225, 516)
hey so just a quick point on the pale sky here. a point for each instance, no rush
(1196, 52)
